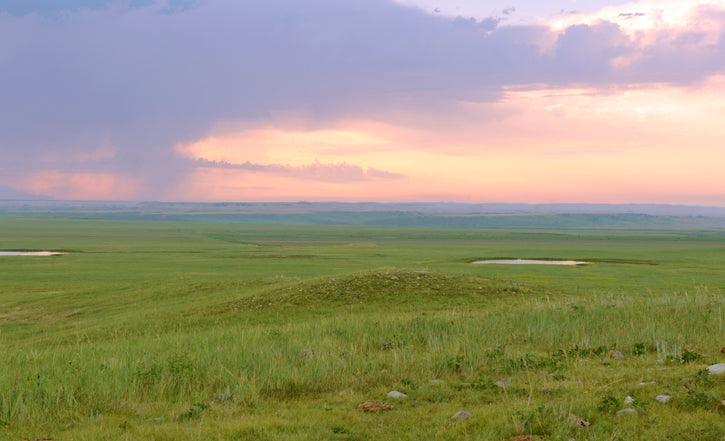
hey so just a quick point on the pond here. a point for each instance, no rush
(29, 253)
(532, 262)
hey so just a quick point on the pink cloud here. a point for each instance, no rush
(82, 186)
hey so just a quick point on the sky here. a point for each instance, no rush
(364, 100)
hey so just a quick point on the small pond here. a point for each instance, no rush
(532, 262)
(29, 253)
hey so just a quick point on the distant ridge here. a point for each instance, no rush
(39, 203)
(414, 214)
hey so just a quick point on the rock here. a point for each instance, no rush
(504, 382)
(647, 383)
(578, 422)
(663, 398)
(462, 415)
(384, 371)
(716, 369)
(396, 394)
(394, 278)
(628, 400)
(616, 354)
(437, 382)
(373, 406)
(625, 412)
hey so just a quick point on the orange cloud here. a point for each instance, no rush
(659, 143)
(290, 147)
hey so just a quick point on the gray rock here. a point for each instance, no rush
(628, 400)
(396, 394)
(504, 382)
(716, 369)
(625, 412)
(616, 354)
(663, 398)
(462, 415)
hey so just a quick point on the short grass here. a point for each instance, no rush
(172, 331)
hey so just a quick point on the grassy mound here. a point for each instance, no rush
(396, 288)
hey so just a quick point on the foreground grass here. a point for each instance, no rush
(174, 331)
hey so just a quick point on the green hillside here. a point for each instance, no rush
(220, 331)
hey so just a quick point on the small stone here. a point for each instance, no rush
(716, 369)
(648, 383)
(575, 421)
(437, 382)
(462, 415)
(616, 354)
(394, 278)
(504, 382)
(628, 400)
(396, 394)
(625, 412)
(663, 398)
(384, 371)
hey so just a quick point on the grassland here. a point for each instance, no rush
(186, 330)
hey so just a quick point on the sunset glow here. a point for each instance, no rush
(623, 103)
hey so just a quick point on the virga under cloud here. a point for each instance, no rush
(159, 100)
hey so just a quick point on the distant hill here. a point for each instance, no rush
(449, 215)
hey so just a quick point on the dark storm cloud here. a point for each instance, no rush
(139, 79)
(584, 53)
(55, 8)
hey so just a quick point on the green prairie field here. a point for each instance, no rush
(161, 330)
